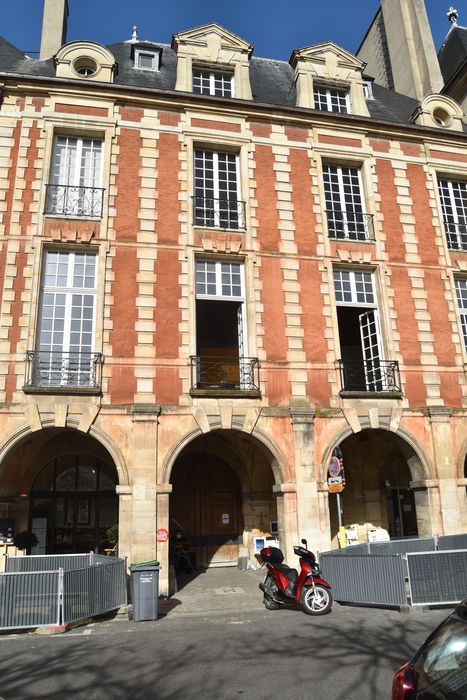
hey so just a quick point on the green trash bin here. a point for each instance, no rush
(144, 590)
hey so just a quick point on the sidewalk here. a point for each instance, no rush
(215, 590)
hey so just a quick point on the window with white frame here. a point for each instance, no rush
(362, 362)
(453, 196)
(75, 183)
(213, 82)
(146, 60)
(64, 353)
(331, 99)
(345, 207)
(216, 201)
(461, 292)
(221, 338)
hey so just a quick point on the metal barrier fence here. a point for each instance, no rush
(48, 562)
(437, 577)
(62, 589)
(452, 542)
(371, 580)
(29, 599)
(375, 573)
(93, 591)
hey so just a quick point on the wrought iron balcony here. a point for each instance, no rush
(63, 370)
(74, 200)
(350, 225)
(456, 235)
(375, 376)
(224, 374)
(220, 213)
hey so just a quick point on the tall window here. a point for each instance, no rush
(75, 187)
(344, 203)
(213, 82)
(453, 195)
(65, 338)
(216, 190)
(362, 362)
(331, 99)
(461, 290)
(221, 342)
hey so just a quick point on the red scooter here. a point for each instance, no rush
(284, 585)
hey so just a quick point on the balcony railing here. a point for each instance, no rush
(69, 370)
(229, 374)
(74, 200)
(374, 376)
(350, 225)
(221, 213)
(456, 235)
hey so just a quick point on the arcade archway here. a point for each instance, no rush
(379, 468)
(61, 485)
(222, 497)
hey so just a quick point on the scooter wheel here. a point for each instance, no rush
(270, 604)
(316, 600)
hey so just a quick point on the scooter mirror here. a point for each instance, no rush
(305, 543)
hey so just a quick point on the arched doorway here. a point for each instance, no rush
(60, 483)
(222, 497)
(378, 493)
(206, 503)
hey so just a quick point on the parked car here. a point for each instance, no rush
(438, 669)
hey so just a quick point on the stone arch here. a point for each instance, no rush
(419, 466)
(19, 435)
(278, 463)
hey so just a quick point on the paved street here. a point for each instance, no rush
(216, 640)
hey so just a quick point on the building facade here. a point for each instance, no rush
(215, 270)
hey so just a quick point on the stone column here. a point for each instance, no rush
(124, 492)
(143, 451)
(162, 548)
(446, 468)
(372, 500)
(324, 542)
(287, 513)
(308, 522)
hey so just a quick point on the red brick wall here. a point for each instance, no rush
(128, 186)
(168, 206)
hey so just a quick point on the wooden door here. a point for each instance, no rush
(206, 502)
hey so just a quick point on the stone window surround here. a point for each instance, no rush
(81, 53)
(154, 53)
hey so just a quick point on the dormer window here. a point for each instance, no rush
(213, 82)
(331, 99)
(368, 90)
(146, 60)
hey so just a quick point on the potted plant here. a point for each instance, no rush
(112, 537)
(25, 540)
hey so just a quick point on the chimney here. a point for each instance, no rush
(54, 24)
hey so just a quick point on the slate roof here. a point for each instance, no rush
(453, 53)
(272, 81)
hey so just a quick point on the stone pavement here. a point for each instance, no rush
(215, 590)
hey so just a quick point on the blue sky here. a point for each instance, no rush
(274, 27)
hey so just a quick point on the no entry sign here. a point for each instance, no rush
(162, 535)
